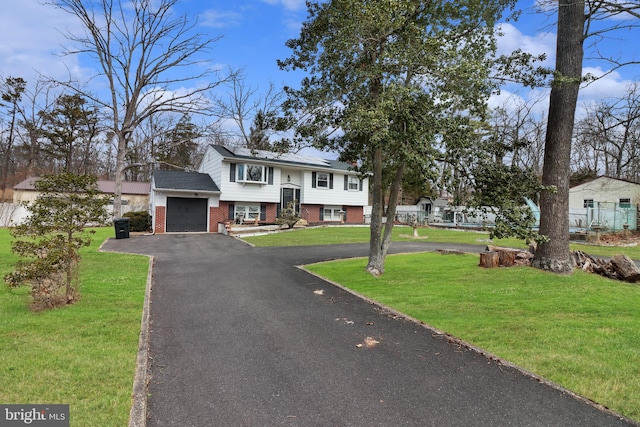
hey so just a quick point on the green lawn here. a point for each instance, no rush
(346, 234)
(83, 355)
(581, 331)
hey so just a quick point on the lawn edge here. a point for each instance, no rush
(138, 411)
(457, 341)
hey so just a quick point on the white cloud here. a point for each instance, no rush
(34, 32)
(608, 85)
(513, 39)
(288, 4)
(537, 100)
(220, 19)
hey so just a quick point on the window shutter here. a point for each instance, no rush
(330, 181)
(232, 173)
(263, 212)
(321, 213)
(232, 209)
(361, 184)
(297, 201)
(270, 179)
(278, 209)
(313, 179)
(346, 182)
(344, 217)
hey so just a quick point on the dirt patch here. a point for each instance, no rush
(621, 238)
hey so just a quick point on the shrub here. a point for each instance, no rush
(49, 240)
(288, 216)
(138, 221)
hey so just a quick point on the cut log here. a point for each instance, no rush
(625, 267)
(509, 257)
(489, 259)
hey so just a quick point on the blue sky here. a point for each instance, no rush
(253, 33)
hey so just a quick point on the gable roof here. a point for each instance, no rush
(605, 177)
(106, 187)
(239, 153)
(179, 180)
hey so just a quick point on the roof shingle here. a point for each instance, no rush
(178, 180)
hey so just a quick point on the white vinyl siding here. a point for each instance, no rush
(332, 197)
(213, 165)
(246, 191)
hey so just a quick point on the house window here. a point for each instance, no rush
(354, 183)
(587, 203)
(333, 213)
(625, 203)
(248, 212)
(322, 180)
(251, 173)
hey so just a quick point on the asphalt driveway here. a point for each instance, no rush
(241, 337)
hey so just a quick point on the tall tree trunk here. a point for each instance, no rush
(375, 265)
(380, 242)
(555, 255)
(7, 158)
(119, 172)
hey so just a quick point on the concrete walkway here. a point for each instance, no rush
(241, 337)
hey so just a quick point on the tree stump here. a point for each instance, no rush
(508, 257)
(489, 259)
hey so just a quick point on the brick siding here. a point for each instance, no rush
(160, 219)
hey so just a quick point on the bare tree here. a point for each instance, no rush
(611, 129)
(37, 97)
(146, 56)
(251, 112)
(520, 130)
(577, 20)
(12, 90)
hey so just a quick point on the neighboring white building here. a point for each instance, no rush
(253, 185)
(135, 197)
(604, 203)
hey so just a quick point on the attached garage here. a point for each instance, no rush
(185, 214)
(182, 201)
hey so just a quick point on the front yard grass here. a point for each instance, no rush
(84, 354)
(580, 331)
(347, 234)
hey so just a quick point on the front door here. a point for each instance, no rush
(290, 195)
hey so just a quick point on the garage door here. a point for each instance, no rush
(185, 214)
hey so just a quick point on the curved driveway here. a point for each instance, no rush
(241, 337)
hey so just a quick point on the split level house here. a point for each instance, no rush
(252, 186)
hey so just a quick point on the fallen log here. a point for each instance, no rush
(619, 267)
(625, 267)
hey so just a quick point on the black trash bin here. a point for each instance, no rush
(121, 226)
